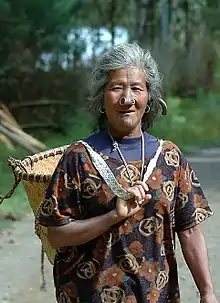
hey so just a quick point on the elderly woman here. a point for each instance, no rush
(118, 198)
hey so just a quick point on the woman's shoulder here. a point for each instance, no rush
(79, 146)
(167, 144)
(76, 147)
(170, 145)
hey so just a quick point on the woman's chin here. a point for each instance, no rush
(126, 121)
(125, 127)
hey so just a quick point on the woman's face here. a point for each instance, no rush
(130, 82)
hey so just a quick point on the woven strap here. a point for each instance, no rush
(106, 173)
(153, 162)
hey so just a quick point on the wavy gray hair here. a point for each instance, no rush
(122, 56)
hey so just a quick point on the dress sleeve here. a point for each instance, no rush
(62, 200)
(191, 206)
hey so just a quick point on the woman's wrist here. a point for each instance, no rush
(113, 217)
(206, 290)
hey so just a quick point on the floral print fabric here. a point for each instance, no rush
(134, 262)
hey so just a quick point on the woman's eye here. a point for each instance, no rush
(116, 88)
(136, 88)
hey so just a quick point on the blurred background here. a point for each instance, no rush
(47, 49)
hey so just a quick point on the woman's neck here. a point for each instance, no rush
(136, 133)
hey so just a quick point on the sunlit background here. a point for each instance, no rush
(47, 49)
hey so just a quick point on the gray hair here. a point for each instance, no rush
(122, 56)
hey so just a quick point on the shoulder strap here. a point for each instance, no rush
(153, 162)
(106, 173)
(108, 176)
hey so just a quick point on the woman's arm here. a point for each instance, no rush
(81, 231)
(195, 253)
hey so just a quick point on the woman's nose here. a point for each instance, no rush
(126, 98)
(127, 101)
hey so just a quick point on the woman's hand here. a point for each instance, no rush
(128, 208)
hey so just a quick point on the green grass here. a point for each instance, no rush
(191, 124)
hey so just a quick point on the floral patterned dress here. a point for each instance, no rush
(134, 261)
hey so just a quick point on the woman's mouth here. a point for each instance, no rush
(126, 113)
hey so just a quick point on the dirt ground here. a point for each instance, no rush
(20, 249)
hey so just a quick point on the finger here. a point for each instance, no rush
(140, 191)
(147, 198)
(144, 185)
(145, 202)
(136, 193)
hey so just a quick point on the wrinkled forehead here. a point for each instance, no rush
(127, 74)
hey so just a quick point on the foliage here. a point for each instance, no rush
(191, 123)
(42, 56)
(42, 51)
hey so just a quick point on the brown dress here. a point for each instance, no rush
(134, 261)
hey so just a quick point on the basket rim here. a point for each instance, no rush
(20, 165)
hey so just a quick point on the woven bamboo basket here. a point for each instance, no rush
(35, 173)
